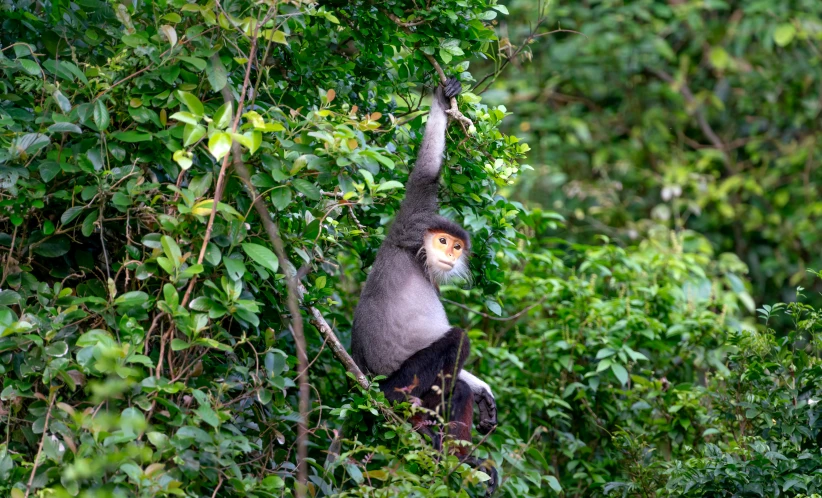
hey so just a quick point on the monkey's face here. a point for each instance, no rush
(444, 256)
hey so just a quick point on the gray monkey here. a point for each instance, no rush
(400, 326)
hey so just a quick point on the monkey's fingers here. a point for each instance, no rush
(487, 413)
(492, 472)
(487, 467)
(453, 87)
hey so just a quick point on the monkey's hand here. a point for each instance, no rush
(445, 92)
(487, 412)
(486, 466)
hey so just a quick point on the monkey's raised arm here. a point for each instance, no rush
(420, 202)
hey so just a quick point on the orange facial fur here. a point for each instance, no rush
(448, 248)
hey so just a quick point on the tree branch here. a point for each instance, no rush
(296, 291)
(454, 111)
(334, 343)
(689, 97)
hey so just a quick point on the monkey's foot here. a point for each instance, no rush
(487, 412)
(487, 467)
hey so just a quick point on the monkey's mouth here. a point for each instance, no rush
(447, 263)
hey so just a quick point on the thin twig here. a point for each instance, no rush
(404, 24)
(219, 485)
(497, 318)
(53, 396)
(454, 111)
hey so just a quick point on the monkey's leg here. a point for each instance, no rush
(457, 410)
(441, 360)
(460, 419)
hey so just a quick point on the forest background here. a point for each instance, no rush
(191, 195)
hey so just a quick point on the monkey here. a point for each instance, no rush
(400, 328)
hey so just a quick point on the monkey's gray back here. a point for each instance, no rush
(399, 313)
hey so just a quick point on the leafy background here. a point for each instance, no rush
(640, 182)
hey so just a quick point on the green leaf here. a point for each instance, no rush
(172, 250)
(30, 66)
(57, 349)
(32, 142)
(48, 170)
(88, 223)
(208, 415)
(222, 118)
(391, 184)
(158, 439)
(197, 63)
(100, 115)
(132, 136)
(65, 128)
(262, 256)
(73, 69)
(179, 345)
(281, 197)
(192, 102)
(234, 267)
(256, 140)
(193, 133)
(784, 34)
(62, 101)
(183, 158)
(554, 483)
(186, 117)
(635, 355)
(494, 307)
(620, 372)
(217, 74)
(166, 264)
(70, 214)
(9, 298)
(132, 299)
(219, 145)
(53, 247)
(308, 189)
(720, 58)
(275, 36)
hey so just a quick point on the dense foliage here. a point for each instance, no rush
(147, 347)
(688, 113)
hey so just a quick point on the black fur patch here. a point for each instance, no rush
(438, 223)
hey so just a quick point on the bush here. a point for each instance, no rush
(147, 344)
(767, 411)
(689, 114)
(146, 347)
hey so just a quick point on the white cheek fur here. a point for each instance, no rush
(439, 272)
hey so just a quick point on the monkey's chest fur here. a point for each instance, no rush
(399, 314)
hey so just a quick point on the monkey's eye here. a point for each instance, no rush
(442, 240)
(457, 247)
